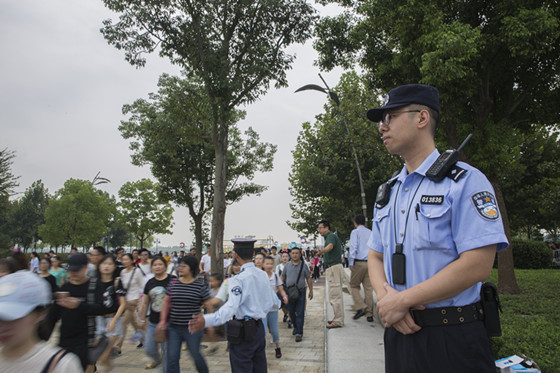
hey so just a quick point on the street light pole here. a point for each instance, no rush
(333, 96)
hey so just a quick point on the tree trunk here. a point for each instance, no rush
(219, 209)
(507, 284)
(198, 234)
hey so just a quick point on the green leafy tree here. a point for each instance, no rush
(28, 214)
(495, 64)
(324, 180)
(7, 180)
(143, 211)
(235, 47)
(77, 215)
(171, 133)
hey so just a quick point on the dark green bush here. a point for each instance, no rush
(528, 254)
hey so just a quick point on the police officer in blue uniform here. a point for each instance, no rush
(432, 244)
(250, 298)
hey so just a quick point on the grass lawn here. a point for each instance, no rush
(531, 320)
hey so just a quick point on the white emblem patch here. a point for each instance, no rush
(236, 290)
(486, 205)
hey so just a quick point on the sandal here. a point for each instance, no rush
(152, 365)
(334, 325)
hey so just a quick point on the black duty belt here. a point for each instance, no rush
(448, 315)
(360, 260)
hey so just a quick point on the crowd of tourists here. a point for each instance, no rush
(95, 298)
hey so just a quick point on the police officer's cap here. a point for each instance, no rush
(243, 244)
(405, 95)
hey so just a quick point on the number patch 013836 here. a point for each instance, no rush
(431, 200)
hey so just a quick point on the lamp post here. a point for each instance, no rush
(333, 96)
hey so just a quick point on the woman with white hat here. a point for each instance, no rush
(24, 299)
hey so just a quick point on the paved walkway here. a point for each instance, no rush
(305, 356)
(358, 346)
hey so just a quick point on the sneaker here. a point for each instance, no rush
(285, 318)
(140, 345)
(289, 325)
(294, 332)
(299, 338)
(370, 318)
(278, 352)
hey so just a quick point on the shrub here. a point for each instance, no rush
(528, 254)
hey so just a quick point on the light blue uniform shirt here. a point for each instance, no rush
(249, 295)
(445, 219)
(359, 248)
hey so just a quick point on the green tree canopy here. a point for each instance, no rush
(143, 211)
(77, 215)
(235, 47)
(28, 214)
(495, 64)
(7, 180)
(324, 179)
(171, 133)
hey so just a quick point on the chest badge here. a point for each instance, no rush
(486, 205)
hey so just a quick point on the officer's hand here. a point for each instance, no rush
(393, 309)
(310, 294)
(407, 325)
(196, 324)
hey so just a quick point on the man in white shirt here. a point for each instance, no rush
(357, 261)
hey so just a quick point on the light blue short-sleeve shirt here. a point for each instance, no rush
(436, 222)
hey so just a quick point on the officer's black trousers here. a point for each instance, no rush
(247, 357)
(440, 349)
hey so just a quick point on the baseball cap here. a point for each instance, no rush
(20, 293)
(77, 261)
(405, 95)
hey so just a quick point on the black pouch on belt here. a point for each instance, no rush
(491, 306)
(235, 331)
(250, 327)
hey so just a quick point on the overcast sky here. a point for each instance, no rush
(62, 88)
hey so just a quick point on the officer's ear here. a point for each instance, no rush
(423, 119)
(235, 256)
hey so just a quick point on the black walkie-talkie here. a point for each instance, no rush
(445, 161)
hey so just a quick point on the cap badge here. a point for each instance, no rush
(386, 100)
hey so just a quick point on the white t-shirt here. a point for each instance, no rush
(36, 359)
(136, 286)
(206, 262)
(227, 262)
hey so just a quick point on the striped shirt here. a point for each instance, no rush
(186, 300)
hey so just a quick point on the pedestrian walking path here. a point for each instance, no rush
(358, 346)
(301, 357)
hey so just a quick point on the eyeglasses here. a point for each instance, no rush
(386, 120)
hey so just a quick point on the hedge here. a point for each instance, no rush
(529, 254)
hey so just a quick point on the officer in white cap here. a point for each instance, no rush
(250, 299)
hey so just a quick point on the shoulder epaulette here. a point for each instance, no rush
(456, 173)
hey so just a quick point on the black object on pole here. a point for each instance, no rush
(333, 96)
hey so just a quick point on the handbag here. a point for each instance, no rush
(161, 335)
(293, 291)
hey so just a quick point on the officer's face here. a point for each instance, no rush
(400, 133)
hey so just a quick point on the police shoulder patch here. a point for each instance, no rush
(486, 205)
(236, 290)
